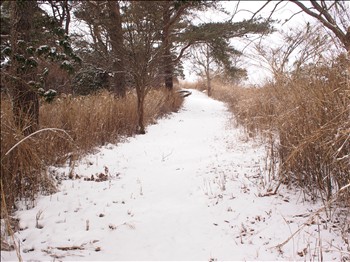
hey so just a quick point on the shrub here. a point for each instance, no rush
(89, 80)
(308, 115)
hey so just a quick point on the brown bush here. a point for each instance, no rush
(308, 115)
(73, 126)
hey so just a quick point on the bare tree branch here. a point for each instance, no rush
(290, 18)
(182, 51)
(255, 14)
(235, 11)
(325, 18)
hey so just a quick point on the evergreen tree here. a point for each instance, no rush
(34, 37)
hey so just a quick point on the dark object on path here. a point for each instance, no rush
(184, 93)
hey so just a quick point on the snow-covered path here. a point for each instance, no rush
(187, 190)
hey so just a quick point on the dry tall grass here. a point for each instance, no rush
(89, 121)
(309, 116)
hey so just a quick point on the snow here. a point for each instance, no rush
(187, 190)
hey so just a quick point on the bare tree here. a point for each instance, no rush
(334, 15)
(170, 17)
(144, 51)
(204, 63)
(298, 48)
(115, 33)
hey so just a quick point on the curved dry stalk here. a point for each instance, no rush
(36, 132)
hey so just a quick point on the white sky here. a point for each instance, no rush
(256, 73)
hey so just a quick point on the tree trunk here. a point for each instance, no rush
(25, 98)
(140, 111)
(25, 109)
(347, 40)
(167, 59)
(207, 68)
(116, 37)
(208, 83)
(68, 17)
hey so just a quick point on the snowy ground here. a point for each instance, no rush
(187, 190)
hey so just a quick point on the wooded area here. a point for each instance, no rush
(99, 70)
(127, 45)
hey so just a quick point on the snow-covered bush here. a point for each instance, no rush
(48, 95)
